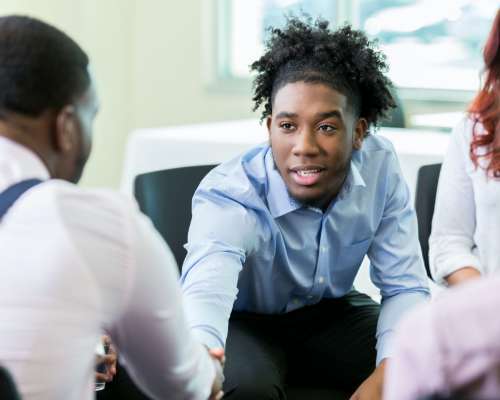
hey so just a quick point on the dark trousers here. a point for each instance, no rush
(330, 345)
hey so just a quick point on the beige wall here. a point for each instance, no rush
(169, 68)
(147, 56)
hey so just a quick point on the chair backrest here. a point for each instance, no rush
(8, 390)
(165, 196)
(425, 197)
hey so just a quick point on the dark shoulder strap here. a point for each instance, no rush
(12, 193)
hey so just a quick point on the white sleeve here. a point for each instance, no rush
(451, 241)
(152, 335)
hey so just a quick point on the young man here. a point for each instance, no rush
(278, 234)
(74, 261)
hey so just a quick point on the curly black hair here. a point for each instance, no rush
(41, 68)
(345, 59)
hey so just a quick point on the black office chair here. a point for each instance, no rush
(8, 389)
(425, 197)
(165, 196)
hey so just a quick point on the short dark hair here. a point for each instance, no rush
(308, 51)
(41, 68)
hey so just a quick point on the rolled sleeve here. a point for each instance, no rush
(449, 254)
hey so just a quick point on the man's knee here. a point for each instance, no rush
(255, 366)
(259, 387)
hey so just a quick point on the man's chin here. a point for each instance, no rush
(308, 199)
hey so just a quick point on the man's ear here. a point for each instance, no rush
(269, 120)
(65, 132)
(359, 133)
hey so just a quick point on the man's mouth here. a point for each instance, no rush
(308, 172)
(306, 176)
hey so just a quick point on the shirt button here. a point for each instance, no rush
(310, 297)
(321, 279)
(324, 248)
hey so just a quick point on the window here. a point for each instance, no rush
(429, 44)
(247, 23)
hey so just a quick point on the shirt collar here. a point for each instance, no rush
(18, 163)
(354, 178)
(279, 200)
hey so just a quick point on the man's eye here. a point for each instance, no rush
(327, 128)
(286, 126)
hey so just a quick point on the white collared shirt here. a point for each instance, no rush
(77, 261)
(466, 223)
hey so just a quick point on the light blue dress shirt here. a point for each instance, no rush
(251, 247)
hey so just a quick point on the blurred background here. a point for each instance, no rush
(162, 63)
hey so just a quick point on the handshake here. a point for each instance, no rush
(219, 359)
(106, 367)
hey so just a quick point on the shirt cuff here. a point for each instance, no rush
(446, 264)
(206, 375)
(385, 346)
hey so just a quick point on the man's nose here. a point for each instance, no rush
(306, 144)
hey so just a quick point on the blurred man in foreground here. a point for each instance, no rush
(75, 262)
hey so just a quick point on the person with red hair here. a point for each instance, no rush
(449, 349)
(466, 224)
